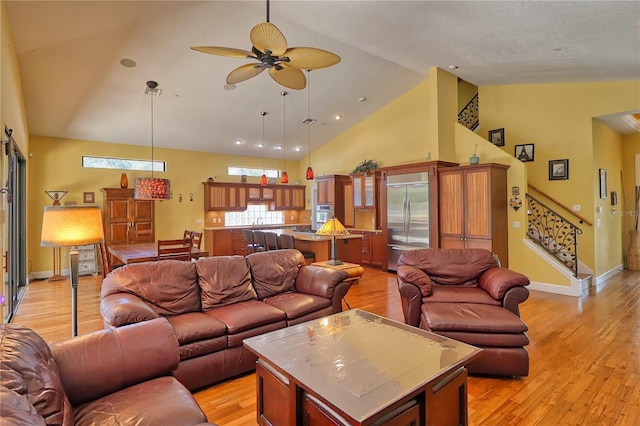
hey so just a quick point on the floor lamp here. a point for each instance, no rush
(56, 196)
(333, 227)
(71, 226)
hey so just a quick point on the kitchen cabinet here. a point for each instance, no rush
(261, 193)
(473, 208)
(373, 251)
(219, 196)
(126, 220)
(289, 198)
(330, 192)
(225, 242)
(365, 189)
(349, 216)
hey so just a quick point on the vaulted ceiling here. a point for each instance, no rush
(75, 86)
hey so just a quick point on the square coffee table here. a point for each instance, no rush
(358, 368)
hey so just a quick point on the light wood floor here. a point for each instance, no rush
(585, 353)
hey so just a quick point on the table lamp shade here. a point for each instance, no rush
(332, 227)
(64, 226)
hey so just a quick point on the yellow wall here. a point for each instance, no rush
(57, 164)
(630, 148)
(607, 149)
(557, 118)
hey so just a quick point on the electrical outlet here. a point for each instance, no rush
(576, 207)
(198, 221)
(515, 224)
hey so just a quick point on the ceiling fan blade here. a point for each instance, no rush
(288, 77)
(266, 36)
(310, 58)
(223, 51)
(244, 72)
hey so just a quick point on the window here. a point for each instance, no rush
(239, 171)
(256, 214)
(123, 163)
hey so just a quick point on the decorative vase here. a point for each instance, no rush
(124, 182)
(474, 159)
(633, 254)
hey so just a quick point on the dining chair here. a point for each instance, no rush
(196, 239)
(259, 240)
(187, 234)
(288, 242)
(271, 240)
(174, 249)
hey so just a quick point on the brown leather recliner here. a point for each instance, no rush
(467, 296)
(109, 377)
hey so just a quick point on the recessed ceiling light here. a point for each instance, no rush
(362, 99)
(338, 117)
(238, 142)
(279, 147)
(453, 67)
(297, 149)
(260, 145)
(128, 63)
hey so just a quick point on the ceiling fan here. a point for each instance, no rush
(285, 65)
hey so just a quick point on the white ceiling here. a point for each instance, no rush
(75, 87)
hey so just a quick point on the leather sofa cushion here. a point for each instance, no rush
(203, 347)
(296, 305)
(246, 315)
(224, 280)
(275, 271)
(155, 402)
(236, 339)
(15, 410)
(169, 287)
(28, 368)
(196, 326)
(453, 294)
(471, 317)
(450, 266)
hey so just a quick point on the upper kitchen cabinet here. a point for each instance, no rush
(473, 208)
(365, 189)
(330, 192)
(220, 196)
(261, 193)
(289, 197)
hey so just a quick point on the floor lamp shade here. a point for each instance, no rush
(151, 189)
(64, 226)
(333, 227)
(72, 226)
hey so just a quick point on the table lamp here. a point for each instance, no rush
(333, 227)
(71, 226)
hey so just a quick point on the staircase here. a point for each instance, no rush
(469, 116)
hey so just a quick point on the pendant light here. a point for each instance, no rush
(151, 188)
(263, 179)
(285, 177)
(309, 121)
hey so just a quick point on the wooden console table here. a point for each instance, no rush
(358, 368)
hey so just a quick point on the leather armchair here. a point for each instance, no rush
(467, 296)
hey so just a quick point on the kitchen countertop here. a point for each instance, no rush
(256, 227)
(311, 236)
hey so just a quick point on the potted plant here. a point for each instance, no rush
(365, 167)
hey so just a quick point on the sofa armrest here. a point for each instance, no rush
(411, 300)
(319, 281)
(496, 281)
(120, 309)
(411, 274)
(513, 297)
(103, 362)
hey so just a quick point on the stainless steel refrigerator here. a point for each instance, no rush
(407, 214)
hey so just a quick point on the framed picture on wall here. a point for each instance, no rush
(603, 183)
(524, 152)
(88, 197)
(559, 169)
(496, 137)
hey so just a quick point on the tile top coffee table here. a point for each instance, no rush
(359, 368)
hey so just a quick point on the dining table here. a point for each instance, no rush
(144, 252)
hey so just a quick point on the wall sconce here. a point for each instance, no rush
(179, 198)
(515, 203)
(191, 196)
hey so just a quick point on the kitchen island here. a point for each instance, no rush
(348, 247)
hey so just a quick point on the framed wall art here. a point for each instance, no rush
(496, 137)
(524, 152)
(559, 169)
(603, 183)
(88, 197)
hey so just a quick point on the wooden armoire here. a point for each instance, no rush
(126, 220)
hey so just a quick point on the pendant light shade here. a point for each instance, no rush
(309, 121)
(284, 178)
(263, 178)
(151, 188)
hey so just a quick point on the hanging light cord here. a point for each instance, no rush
(309, 112)
(284, 130)
(151, 94)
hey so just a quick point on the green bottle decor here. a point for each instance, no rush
(474, 159)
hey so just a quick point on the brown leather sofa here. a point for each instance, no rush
(467, 296)
(109, 377)
(216, 302)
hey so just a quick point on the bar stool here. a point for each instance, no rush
(288, 242)
(259, 240)
(271, 240)
(251, 246)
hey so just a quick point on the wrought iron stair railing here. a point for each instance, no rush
(553, 233)
(469, 116)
